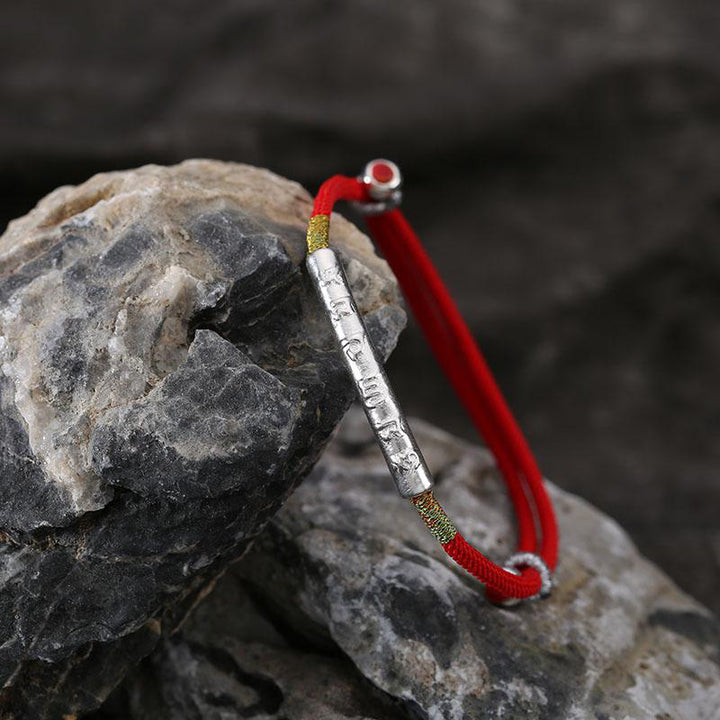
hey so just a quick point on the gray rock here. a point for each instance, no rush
(230, 660)
(346, 562)
(167, 380)
(345, 607)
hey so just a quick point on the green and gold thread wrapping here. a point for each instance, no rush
(318, 232)
(432, 514)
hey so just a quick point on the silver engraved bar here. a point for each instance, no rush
(387, 420)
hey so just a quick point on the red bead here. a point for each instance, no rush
(382, 172)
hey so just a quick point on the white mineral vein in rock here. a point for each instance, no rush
(158, 340)
(58, 437)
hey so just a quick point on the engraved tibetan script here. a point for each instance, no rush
(401, 452)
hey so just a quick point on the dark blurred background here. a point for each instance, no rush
(562, 163)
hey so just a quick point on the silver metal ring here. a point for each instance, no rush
(537, 563)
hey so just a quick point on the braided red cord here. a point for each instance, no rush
(338, 187)
(454, 363)
(461, 360)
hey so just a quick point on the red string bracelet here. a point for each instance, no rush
(528, 573)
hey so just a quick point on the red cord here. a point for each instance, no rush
(434, 322)
(465, 367)
(338, 187)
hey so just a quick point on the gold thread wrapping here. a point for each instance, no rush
(432, 514)
(318, 232)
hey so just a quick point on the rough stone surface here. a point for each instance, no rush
(347, 566)
(234, 659)
(167, 380)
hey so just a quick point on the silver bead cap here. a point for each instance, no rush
(382, 177)
(384, 182)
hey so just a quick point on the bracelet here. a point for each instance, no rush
(377, 193)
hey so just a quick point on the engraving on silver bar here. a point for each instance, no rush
(403, 456)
